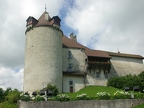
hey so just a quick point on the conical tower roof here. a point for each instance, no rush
(43, 21)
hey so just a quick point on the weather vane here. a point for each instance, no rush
(45, 7)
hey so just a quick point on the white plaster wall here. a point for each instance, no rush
(43, 58)
(77, 60)
(126, 59)
(92, 80)
(78, 83)
(123, 66)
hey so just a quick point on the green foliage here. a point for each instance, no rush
(82, 96)
(13, 96)
(53, 88)
(139, 95)
(62, 97)
(39, 98)
(103, 96)
(139, 106)
(128, 80)
(7, 90)
(8, 105)
(2, 96)
(24, 97)
(121, 95)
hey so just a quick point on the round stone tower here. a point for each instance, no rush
(43, 53)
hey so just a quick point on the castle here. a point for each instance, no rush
(51, 57)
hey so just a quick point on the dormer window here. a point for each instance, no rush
(29, 22)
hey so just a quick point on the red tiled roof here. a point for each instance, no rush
(73, 44)
(42, 21)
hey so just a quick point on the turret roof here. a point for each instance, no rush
(42, 21)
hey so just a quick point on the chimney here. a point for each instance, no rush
(73, 37)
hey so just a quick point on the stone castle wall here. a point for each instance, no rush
(43, 58)
(77, 59)
(119, 103)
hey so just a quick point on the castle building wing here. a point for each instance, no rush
(92, 53)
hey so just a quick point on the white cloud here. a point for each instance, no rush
(109, 25)
(10, 78)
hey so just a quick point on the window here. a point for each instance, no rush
(70, 67)
(97, 74)
(69, 55)
(71, 86)
(106, 75)
(71, 83)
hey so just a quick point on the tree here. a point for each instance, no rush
(13, 96)
(2, 97)
(53, 88)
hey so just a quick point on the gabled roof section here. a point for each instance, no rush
(125, 55)
(73, 44)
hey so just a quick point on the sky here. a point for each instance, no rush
(108, 25)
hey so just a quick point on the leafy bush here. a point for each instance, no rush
(39, 98)
(8, 105)
(83, 96)
(24, 97)
(13, 96)
(139, 95)
(121, 95)
(62, 97)
(128, 80)
(103, 95)
(2, 96)
(53, 88)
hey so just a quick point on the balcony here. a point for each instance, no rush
(106, 66)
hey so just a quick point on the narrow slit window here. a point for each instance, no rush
(69, 55)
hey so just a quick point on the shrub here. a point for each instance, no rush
(54, 89)
(121, 95)
(83, 96)
(139, 95)
(13, 96)
(103, 95)
(24, 97)
(2, 97)
(8, 105)
(39, 98)
(62, 97)
(128, 80)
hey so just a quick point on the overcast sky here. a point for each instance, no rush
(99, 24)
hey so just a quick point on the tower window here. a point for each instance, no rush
(69, 55)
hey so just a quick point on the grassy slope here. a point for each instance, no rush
(139, 106)
(92, 90)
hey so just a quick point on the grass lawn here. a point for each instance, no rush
(93, 90)
(139, 106)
